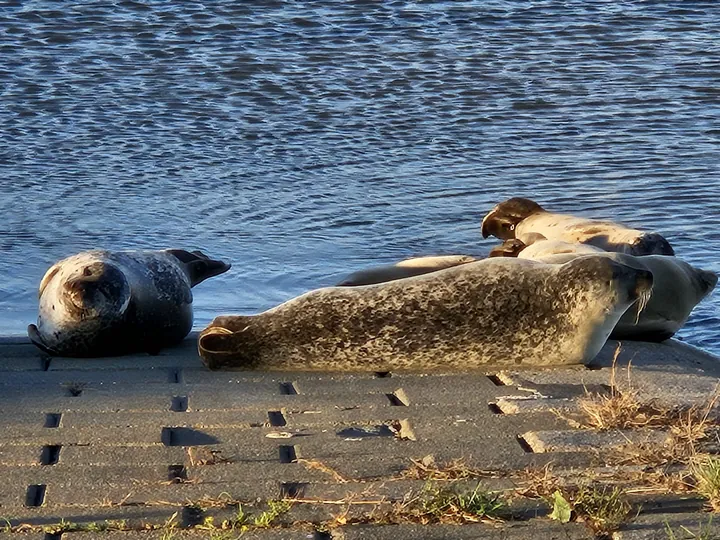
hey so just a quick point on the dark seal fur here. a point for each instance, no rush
(500, 311)
(102, 303)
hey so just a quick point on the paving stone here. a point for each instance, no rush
(102, 456)
(269, 534)
(683, 526)
(249, 434)
(91, 400)
(577, 441)
(88, 377)
(540, 529)
(93, 435)
(131, 516)
(526, 405)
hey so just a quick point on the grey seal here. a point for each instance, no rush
(101, 303)
(500, 311)
(678, 287)
(407, 268)
(518, 216)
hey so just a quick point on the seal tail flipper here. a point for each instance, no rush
(34, 335)
(199, 266)
(231, 342)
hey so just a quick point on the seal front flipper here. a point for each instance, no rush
(199, 266)
(34, 335)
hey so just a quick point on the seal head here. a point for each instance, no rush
(502, 220)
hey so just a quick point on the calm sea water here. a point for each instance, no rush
(304, 140)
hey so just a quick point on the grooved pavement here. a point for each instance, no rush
(154, 439)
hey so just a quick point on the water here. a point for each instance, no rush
(305, 140)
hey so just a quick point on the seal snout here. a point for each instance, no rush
(96, 287)
(643, 287)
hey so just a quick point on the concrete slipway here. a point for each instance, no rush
(142, 441)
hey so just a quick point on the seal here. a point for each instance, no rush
(101, 303)
(407, 268)
(500, 311)
(536, 246)
(519, 216)
(678, 288)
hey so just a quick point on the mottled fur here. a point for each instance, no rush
(100, 303)
(496, 311)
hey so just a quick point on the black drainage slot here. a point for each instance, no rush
(52, 420)
(288, 454)
(592, 367)
(293, 490)
(192, 516)
(179, 404)
(182, 436)
(35, 495)
(75, 389)
(494, 408)
(496, 380)
(524, 445)
(288, 389)
(53, 536)
(50, 455)
(383, 374)
(277, 418)
(177, 473)
(322, 535)
(398, 398)
(175, 376)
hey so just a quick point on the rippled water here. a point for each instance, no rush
(304, 140)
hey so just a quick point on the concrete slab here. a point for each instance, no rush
(162, 434)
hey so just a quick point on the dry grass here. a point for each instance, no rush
(313, 464)
(428, 469)
(197, 455)
(619, 410)
(689, 430)
(451, 503)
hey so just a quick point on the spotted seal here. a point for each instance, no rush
(100, 303)
(678, 288)
(407, 268)
(500, 311)
(518, 216)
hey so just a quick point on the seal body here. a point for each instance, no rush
(403, 269)
(518, 216)
(501, 311)
(536, 246)
(545, 248)
(677, 288)
(100, 303)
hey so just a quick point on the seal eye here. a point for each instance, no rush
(87, 271)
